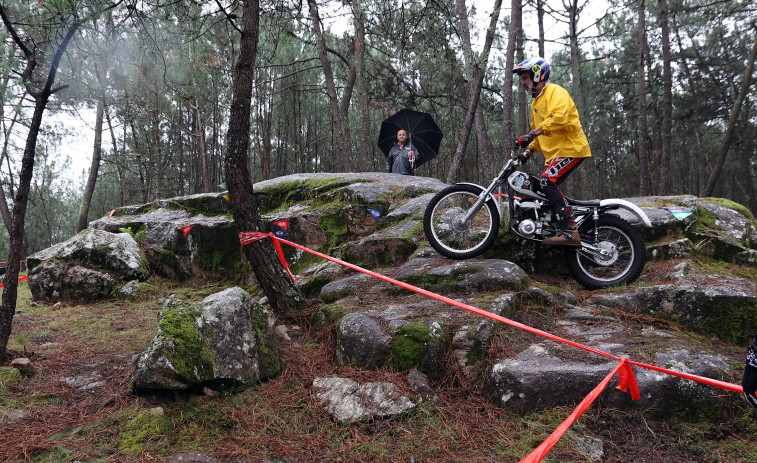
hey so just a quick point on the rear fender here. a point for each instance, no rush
(629, 206)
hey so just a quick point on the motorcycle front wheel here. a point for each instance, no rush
(621, 262)
(446, 230)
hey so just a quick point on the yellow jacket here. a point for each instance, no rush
(554, 111)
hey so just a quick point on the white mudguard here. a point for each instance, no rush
(629, 206)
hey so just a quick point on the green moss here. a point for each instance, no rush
(734, 324)
(333, 224)
(191, 358)
(269, 361)
(741, 209)
(140, 430)
(705, 218)
(409, 345)
(280, 195)
(326, 315)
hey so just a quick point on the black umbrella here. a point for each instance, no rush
(421, 129)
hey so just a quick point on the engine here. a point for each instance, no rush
(527, 228)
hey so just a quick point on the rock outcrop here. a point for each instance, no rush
(85, 268)
(225, 341)
(375, 220)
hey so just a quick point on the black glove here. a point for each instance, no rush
(750, 374)
(525, 156)
(525, 140)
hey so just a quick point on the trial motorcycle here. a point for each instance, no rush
(463, 220)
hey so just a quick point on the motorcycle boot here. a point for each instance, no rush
(567, 234)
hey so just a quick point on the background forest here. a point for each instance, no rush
(662, 86)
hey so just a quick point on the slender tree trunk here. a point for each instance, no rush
(94, 169)
(282, 293)
(667, 101)
(4, 210)
(477, 70)
(344, 144)
(540, 20)
(732, 122)
(642, 122)
(119, 166)
(507, 90)
(575, 55)
(365, 149)
(485, 146)
(205, 174)
(41, 97)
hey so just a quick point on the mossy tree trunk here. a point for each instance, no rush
(283, 295)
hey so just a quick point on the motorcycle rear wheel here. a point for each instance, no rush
(624, 263)
(445, 231)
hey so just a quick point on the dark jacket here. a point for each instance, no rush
(397, 161)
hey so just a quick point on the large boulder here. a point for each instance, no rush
(85, 268)
(173, 250)
(225, 341)
(727, 308)
(537, 379)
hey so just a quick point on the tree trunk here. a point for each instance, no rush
(4, 210)
(282, 293)
(477, 70)
(507, 90)
(205, 175)
(365, 149)
(642, 122)
(484, 144)
(343, 145)
(667, 101)
(540, 20)
(94, 169)
(119, 166)
(41, 97)
(732, 123)
(575, 55)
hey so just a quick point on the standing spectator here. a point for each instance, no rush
(401, 158)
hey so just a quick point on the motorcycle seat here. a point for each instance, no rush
(577, 202)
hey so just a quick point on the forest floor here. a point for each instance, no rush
(79, 407)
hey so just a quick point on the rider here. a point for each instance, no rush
(554, 119)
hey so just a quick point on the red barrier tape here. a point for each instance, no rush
(20, 279)
(699, 379)
(626, 379)
(246, 238)
(541, 451)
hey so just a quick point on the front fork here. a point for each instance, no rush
(484, 196)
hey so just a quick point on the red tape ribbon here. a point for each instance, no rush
(541, 451)
(2, 285)
(626, 378)
(246, 238)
